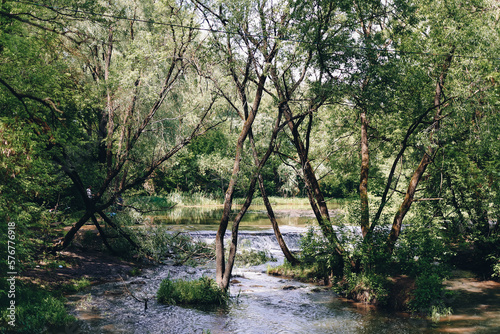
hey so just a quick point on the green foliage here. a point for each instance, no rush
(496, 269)
(135, 272)
(422, 248)
(304, 272)
(203, 291)
(364, 287)
(36, 310)
(161, 243)
(316, 252)
(251, 257)
(75, 285)
(204, 167)
(195, 198)
(428, 297)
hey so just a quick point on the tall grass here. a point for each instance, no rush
(37, 311)
(275, 201)
(193, 199)
(203, 291)
(207, 199)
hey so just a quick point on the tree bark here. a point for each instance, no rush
(405, 206)
(363, 184)
(221, 271)
(228, 201)
(270, 213)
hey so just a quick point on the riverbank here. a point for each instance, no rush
(115, 300)
(263, 304)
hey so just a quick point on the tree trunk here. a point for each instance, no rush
(270, 213)
(405, 206)
(228, 200)
(69, 236)
(426, 159)
(363, 184)
(234, 235)
(279, 237)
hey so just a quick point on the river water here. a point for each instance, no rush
(259, 303)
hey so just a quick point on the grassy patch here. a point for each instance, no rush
(75, 285)
(303, 272)
(37, 311)
(159, 243)
(135, 272)
(203, 291)
(198, 198)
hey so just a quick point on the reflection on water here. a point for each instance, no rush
(208, 217)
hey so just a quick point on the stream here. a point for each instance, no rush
(259, 303)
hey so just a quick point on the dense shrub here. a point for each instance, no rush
(364, 287)
(428, 297)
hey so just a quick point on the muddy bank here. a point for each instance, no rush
(475, 304)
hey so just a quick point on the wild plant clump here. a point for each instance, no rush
(36, 311)
(203, 291)
(367, 288)
(251, 257)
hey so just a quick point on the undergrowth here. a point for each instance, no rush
(36, 310)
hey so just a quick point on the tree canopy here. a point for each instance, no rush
(393, 104)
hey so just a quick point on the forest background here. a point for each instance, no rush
(393, 105)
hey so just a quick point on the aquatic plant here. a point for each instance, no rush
(203, 291)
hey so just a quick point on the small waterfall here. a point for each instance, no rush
(257, 240)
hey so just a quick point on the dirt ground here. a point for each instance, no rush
(475, 304)
(96, 266)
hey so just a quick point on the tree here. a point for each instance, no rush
(122, 114)
(249, 46)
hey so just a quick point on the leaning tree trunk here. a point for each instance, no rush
(363, 184)
(426, 160)
(279, 237)
(222, 275)
(270, 213)
(408, 200)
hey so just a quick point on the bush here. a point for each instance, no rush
(364, 287)
(203, 291)
(496, 270)
(317, 252)
(428, 294)
(36, 311)
(422, 248)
